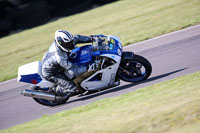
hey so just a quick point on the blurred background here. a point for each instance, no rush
(17, 15)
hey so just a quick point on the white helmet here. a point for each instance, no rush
(64, 40)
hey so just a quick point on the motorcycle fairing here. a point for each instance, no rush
(107, 78)
(81, 55)
(31, 78)
(32, 73)
(85, 55)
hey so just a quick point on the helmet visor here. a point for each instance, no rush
(67, 45)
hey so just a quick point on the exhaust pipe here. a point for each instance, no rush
(39, 95)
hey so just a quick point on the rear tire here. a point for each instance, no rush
(139, 67)
(48, 102)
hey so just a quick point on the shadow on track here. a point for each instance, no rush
(119, 88)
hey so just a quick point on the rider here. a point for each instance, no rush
(56, 62)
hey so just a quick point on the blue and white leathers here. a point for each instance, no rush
(84, 55)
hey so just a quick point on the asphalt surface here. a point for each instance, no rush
(171, 55)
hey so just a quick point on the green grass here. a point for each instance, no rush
(131, 20)
(168, 107)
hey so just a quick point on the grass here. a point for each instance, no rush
(131, 20)
(168, 107)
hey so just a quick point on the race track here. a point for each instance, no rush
(171, 55)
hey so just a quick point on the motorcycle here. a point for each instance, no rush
(114, 65)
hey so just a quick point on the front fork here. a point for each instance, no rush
(124, 70)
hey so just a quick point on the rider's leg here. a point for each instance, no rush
(64, 84)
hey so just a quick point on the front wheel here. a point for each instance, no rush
(48, 102)
(134, 70)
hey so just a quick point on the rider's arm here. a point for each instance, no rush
(82, 39)
(72, 69)
(63, 60)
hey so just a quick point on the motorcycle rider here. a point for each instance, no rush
(56, 62)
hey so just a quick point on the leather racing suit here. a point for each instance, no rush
(58, 69)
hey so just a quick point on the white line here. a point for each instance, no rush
(164, 39)
(197, 27)
(11, 80)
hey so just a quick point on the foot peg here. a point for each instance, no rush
(83, 94)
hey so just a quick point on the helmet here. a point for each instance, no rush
(64, 40)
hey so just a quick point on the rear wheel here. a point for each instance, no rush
(48, 102)
(137, 69)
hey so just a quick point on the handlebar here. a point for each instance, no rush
(100, 43)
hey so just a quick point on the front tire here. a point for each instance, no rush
(139, 67)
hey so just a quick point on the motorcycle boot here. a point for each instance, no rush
(64, 85)
(61, 91)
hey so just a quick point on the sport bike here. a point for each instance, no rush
(107, 64)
